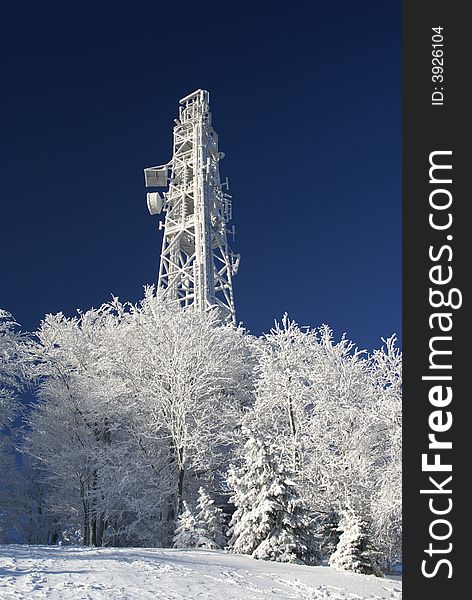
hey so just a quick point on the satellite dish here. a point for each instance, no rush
(155, 203)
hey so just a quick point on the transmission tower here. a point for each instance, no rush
(197, 266)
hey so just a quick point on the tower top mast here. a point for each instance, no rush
(196, 266)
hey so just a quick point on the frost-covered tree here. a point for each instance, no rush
(201, 528)
(334, 413)
(386, 514)
(312, 396)
(95, 470)
(209, 522)
(70, 425)
(12, 369)
(287, 372)
(13, 375)
(328, 525)
(186, 533)
(135, 403)
(343, 401)
(354, 551)
(188, 378)
(271, 521)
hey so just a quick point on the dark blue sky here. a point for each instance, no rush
(306, 98)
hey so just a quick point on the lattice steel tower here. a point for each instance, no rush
(197, 266)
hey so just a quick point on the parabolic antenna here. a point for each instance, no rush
(155, 203)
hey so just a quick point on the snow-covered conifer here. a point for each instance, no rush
(271, 521)
(329, 533)
(209, 522)
(354, 551)
(186, 534)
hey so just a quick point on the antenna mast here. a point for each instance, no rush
(197, 266)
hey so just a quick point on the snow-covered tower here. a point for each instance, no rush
(196, 265)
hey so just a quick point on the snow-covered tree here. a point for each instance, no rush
(82, 434)
(334, 413)
(312, 396)
(271, 521)
(188, 378)
(354, 551)
(328, 525)
(138, 404)
(386, 514)
(12, 368)
(209, 522)
(135, 403)
(68, 424)
(13, 375)
(201, 528)
(186, 533)
(287, 372)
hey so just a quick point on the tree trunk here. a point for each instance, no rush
(100, 530)
(86, 522)
(86, 528)
(93, 532)
(293, 429)
(180, 490)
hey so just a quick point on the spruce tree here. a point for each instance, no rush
(186, 534)
(209, 522)
(271, 521)
(354, 551)
(329, 531)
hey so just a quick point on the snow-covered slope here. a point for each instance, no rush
(166, 574)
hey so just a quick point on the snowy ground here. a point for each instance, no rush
(74, 573)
